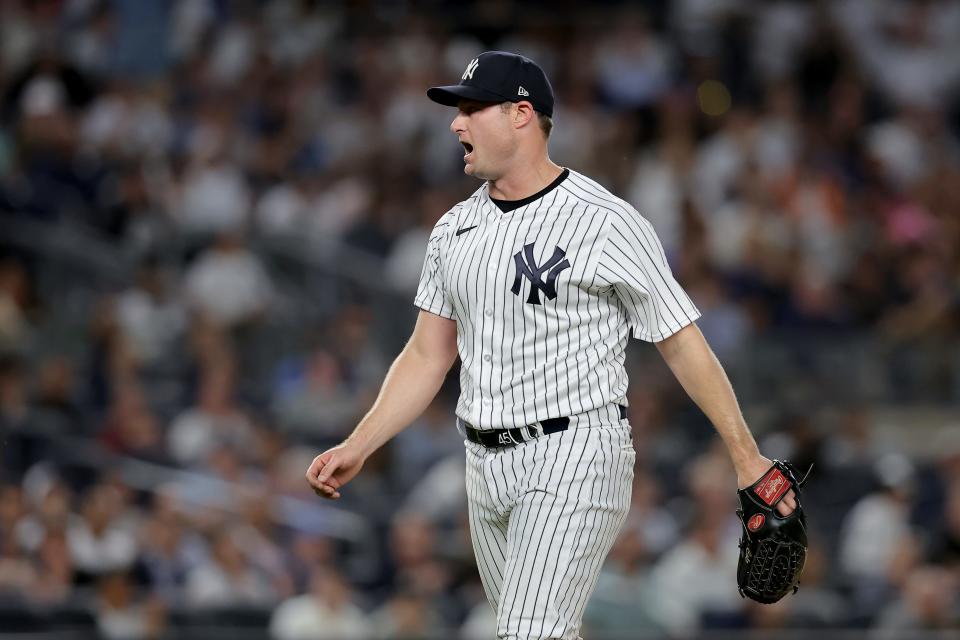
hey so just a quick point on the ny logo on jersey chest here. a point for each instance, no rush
(527, 268)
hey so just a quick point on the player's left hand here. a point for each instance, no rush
(753, 471)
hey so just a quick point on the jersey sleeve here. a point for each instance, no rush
(634, 264)
(432, 292)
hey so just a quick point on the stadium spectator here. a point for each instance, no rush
(324, 613)
(424, 443)
(227, 284)
(311, 396)
(151, 316)
(215, 420)
(17, 573)
(928, 603)
(226, 578)
(102, 540)
(131, 428)
(121, 615)
(690, 581)
(14, 313)
(622, 603)
(944, 544)
(167, 554)
(877, 533)
(55, 573)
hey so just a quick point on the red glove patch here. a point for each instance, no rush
(772, 486)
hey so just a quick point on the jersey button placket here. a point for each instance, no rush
(487, 333)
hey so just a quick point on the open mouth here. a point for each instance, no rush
(467, 147)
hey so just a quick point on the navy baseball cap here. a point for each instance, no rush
(498, 76)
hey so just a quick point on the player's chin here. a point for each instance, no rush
(474, 170)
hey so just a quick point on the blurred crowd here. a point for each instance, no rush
(799, 161)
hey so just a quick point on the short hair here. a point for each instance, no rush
(546, 124)
(545, 121)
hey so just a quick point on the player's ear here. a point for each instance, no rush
(523, 114)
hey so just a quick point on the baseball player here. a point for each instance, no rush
(536, 281)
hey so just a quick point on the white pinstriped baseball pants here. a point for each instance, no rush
(543, 516)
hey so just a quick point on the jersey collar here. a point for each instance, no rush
(506, 206)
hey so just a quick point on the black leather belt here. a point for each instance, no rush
(495, 438)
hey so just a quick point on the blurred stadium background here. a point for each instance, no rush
(213, 218)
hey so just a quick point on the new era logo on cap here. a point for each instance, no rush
(499, 76)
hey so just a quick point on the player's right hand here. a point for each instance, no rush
(755, 470)
(334, 468)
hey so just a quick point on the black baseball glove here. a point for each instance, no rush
(773, 548)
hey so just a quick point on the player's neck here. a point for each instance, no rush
(525, 180)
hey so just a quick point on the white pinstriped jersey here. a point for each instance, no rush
(545, 297)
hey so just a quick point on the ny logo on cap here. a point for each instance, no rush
(470, 69)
